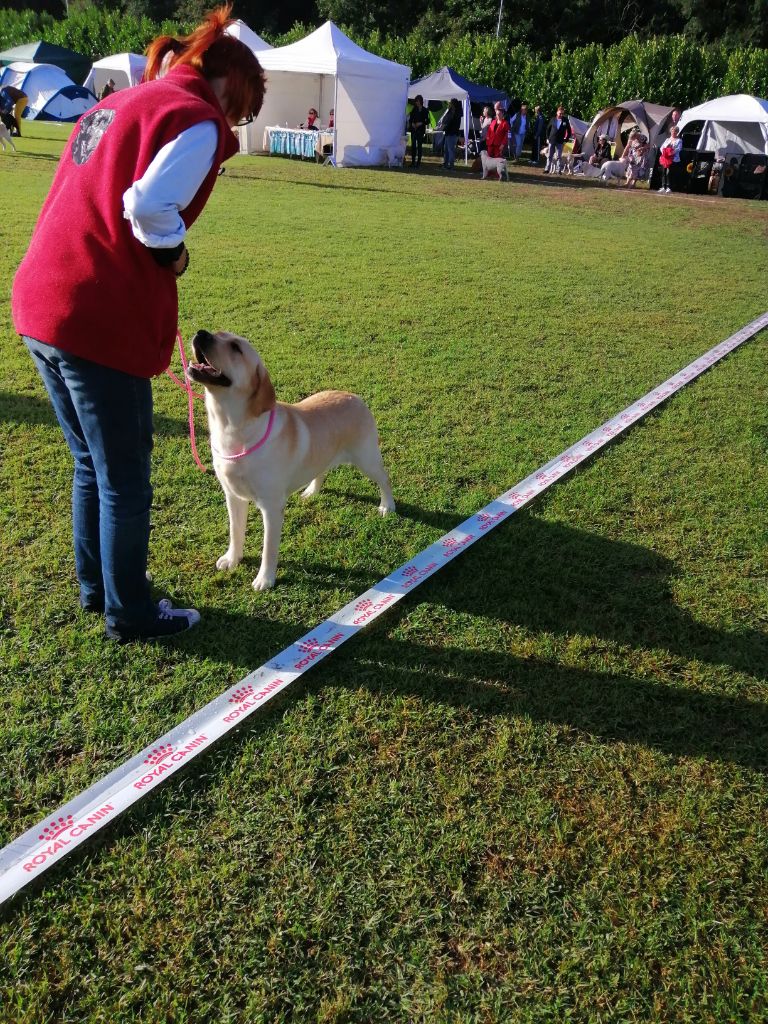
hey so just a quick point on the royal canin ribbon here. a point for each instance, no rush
(43, 845)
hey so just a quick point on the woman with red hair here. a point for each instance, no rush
(95, 296)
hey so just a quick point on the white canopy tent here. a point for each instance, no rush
(734, 124)
(327, 70)
(53, 96)
(240, 31)
(125, 70)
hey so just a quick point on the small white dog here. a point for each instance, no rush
(265, 450)
(5, 136)
(494, 163)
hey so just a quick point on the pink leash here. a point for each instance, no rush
(191, 395)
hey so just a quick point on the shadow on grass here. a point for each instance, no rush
(553, 579)
(15, 408)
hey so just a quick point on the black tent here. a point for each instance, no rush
(75, 64)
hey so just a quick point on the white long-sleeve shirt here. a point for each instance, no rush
(153, 203)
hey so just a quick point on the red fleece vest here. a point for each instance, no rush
(86, 284)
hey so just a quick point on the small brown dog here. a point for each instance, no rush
(264, 450)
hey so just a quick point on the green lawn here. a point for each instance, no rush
(535, 790)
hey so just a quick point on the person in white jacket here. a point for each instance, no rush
(668, 156)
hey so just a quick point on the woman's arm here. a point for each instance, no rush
(153, 203)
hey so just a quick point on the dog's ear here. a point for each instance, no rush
(263, 395)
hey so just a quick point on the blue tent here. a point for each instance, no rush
(446, 84)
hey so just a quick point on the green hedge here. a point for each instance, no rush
(664, 69)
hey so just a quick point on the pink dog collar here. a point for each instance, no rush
(240, 455)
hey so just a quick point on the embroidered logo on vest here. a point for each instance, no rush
(90, 133)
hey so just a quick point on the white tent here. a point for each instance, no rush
(736, 124)
(125, 69)
(327, 70)
(240, 31)
(53, 96)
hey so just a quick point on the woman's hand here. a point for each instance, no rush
(180, 265)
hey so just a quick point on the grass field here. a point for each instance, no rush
(535, 791)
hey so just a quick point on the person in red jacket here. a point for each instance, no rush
(498, 133)
(95, 296)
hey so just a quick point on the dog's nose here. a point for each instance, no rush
(203, 338)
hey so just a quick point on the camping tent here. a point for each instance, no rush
(324, 70)
(446, 84)
(52, 96)
(240, 31)
(652, 120)
(125, 69)
(580, 128)
(736, 124)
(74, 64)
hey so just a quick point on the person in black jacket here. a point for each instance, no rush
(418, 119)
(539, 132)
(558, 133)
(451, 125)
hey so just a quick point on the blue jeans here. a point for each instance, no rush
(451, 141)
(106, 416)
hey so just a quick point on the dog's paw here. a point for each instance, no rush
(310, 491)
(227, 561)
(263, 582)
(386, 508)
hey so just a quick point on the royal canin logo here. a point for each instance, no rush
(159, 754)
(61, 833)
(453, 545)
(241, 694)
(486, 520)
(314, 649)
(248, 697)
(165, 758)
(547, 478)
(569, 460)
(414, 575)
(518, 498)
(367, 608)
(55, 828)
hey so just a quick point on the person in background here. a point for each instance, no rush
(675, 116)
(669, 155)
(451, 128)
(558, 133)
(331, 120)
(518, 128)
(602, 151)
(418, 119)
(108, 89)
(497, 136)
(485, 122)
(7, 112)
(311, 122)
(539, 132)
(636, 156)
(107, 250)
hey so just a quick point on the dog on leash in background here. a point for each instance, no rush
(494, 163)
(264, 450)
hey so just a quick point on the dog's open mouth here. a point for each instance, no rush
(202, 370)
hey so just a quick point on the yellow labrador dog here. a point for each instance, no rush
(264, 450)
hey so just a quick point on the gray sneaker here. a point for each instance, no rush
(168, 622)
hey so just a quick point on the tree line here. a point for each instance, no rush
(673, 70)
(542, 27)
